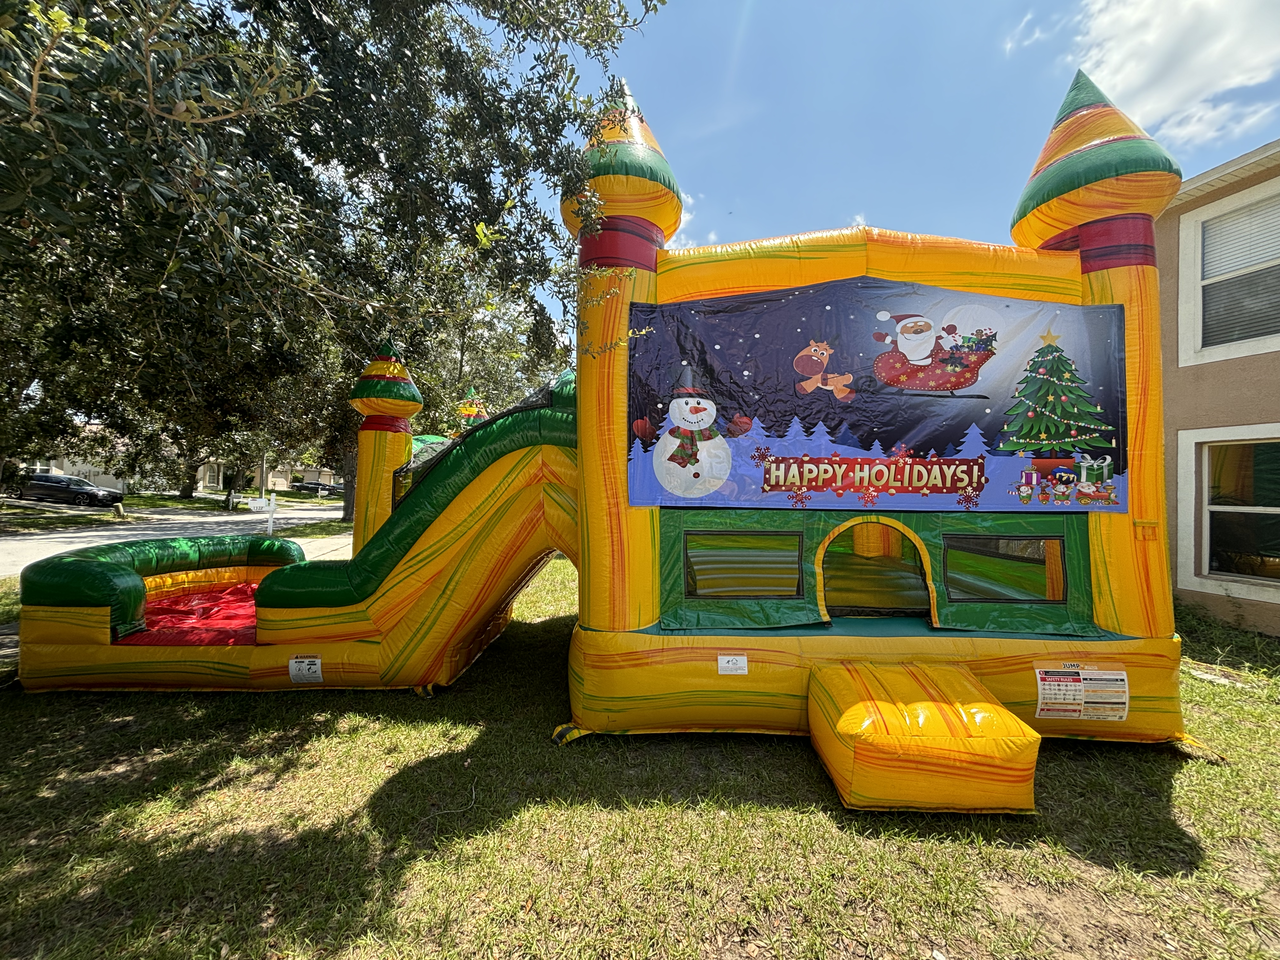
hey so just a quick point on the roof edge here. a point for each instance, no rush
(1263, 158)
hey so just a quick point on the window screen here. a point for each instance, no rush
(727, 565)
(1004, 569)
(1244, 509)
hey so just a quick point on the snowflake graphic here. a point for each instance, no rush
(799, 498)
(968, 498)
(869, 497)
(761, 456)
(901, 453)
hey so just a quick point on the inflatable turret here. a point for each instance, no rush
(640, 205)
(386, 395)
(1096, 165)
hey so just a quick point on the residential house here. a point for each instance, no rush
(1218, 250)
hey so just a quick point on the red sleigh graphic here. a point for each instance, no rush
(952, 364)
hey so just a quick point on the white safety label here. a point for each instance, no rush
(305, 669)
(732, 663)
(1082, 691)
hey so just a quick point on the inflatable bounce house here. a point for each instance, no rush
(899, 493)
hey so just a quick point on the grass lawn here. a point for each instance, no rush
(155, 501)
(313, 530)
(9, 605)
(25, 520)
(381, 824)
(296, 496)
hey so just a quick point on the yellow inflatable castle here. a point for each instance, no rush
(902, 494)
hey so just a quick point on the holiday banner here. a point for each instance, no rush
(869, 393)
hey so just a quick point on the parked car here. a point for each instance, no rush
(77, 490)
(315, 486)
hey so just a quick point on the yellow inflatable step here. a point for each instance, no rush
(920, 736)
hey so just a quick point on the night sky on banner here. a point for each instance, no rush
(874, 369)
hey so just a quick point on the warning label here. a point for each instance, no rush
(305, 669)
(1082, 691)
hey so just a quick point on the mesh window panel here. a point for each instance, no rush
(1241, 308)
(723, 565)
(1002, 569)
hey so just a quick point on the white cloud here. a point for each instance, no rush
(1022, 36)
(683, 240)
(1181, 67)
(712, 237)
(858, 220)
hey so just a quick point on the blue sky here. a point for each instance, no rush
(783, 116)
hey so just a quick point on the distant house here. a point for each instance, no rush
(1218, 250)
(210, 476)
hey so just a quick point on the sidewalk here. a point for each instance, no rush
(325, 548)
(19, 549)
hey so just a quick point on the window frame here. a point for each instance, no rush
(797, 535)
(1193, 513)
(1190, 284)
(946, 568)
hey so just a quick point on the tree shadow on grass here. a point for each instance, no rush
(86, 875)
(1110, 803)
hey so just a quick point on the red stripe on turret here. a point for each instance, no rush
(622, 242)
(1068, 239)
(386, 424)
(1128, 240)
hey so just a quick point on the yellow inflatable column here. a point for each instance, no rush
(1098, 185)
(387, 397)
(618, 572)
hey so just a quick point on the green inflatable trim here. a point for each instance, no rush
(632, 160)
(1091, 165)
(386, 390)
(1083, 93)
(347, 582)
(111, 575)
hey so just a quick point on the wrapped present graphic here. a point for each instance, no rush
(1096, 470)
(1030, 477)
(1056, 468)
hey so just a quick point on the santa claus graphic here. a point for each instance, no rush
(917, 337)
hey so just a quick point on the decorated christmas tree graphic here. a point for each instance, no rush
(1053, 414)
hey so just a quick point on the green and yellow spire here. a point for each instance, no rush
(1097, 163)
(386, 395)
(385, 387)
(629, 173)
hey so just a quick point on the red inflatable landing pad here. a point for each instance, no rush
(223, 617)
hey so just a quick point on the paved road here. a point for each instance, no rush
(17, 550)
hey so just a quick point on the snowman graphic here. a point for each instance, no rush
(691, 459)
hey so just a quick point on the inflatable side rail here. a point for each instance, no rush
(412, 473)
(119, 576)
(340, 583)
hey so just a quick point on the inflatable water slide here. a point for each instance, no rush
(421, 598)
(901, 494)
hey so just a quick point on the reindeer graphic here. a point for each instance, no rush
(812, 362)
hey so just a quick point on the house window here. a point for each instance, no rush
(1229, 511)
(738, 565)
(1243, 509)
(1004, 569)
(1229, 277)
